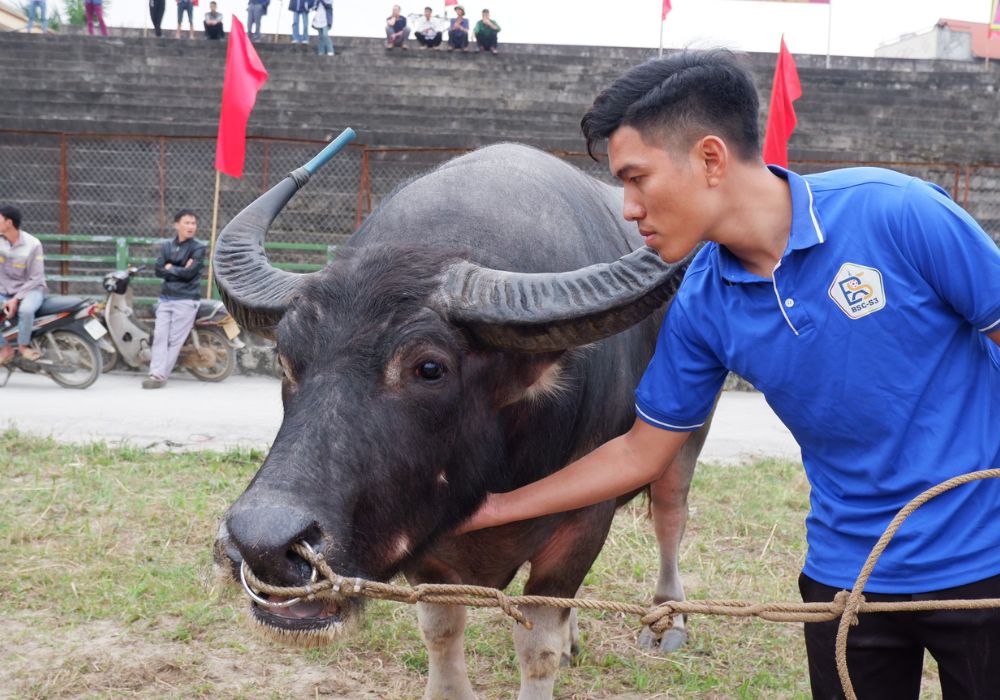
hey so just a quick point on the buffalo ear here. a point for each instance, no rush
(529, 377)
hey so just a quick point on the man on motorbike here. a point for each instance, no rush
(180, 264)
(22, 281)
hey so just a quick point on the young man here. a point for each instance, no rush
(179, 264)
(396, 29)
(22, 282)
(865, 305)
(426, 30)
(213, 23)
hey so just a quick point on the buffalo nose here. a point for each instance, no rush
(264, 534)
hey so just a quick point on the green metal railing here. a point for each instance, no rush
(120, 251)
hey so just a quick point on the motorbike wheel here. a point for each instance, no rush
(225, 356)
(70, 348)
(109, 358)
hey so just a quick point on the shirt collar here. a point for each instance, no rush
(805, 231)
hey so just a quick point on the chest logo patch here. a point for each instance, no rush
(858, 290)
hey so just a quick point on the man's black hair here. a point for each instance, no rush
(691, 93)
(12, 213)
(181, 213)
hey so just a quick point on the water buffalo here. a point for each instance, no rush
(486, 325)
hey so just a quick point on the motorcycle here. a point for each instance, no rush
(67, 334)
(209, 352)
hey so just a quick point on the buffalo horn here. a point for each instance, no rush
(255, 292)
(544, 312)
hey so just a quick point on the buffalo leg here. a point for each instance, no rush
(540, 650)
(443, 630)
(668, 496)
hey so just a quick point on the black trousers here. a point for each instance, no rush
(487, 42)
(431, 43)
(885, 651)
(156, 8)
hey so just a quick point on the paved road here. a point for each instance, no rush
(246, 412)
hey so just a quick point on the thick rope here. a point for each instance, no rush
(854, 600)
(846, 606)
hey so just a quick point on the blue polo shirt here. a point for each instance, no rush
(870, 344)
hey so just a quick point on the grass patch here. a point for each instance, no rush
(108, 593)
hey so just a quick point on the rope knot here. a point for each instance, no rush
(660, 618)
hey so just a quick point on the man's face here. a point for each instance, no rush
(186, 227)
(211, 7)
(395, 10)
(427, 12)
(666, 193)
(486, 14)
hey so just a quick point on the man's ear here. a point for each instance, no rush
(713, 158)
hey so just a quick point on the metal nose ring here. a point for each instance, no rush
(268, 603)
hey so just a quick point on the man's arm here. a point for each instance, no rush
(191, 269)
(35, 277)
(617, 467)
(161, 262)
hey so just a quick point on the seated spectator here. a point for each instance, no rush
(213, 23)
(396, 31)
(22, 282)
(426, 31)
(486, 33)
(458, 33)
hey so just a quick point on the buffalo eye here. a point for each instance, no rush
(430, 370)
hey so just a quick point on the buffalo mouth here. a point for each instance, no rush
(305, 623)
(311, 621)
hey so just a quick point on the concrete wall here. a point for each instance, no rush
(937, 114)
(937, 43)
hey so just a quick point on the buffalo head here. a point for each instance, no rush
(401, 367)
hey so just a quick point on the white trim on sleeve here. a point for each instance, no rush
(666, 425)
(990, 327)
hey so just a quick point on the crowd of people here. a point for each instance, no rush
(428, 29)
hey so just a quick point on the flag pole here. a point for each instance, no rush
(661, 38)
(215, 223)
(829, 31)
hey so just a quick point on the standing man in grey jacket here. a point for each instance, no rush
(180, 264)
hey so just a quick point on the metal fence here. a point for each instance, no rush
(130, 185)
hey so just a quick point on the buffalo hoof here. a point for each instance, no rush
(671, 640)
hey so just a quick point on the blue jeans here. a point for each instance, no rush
(25, 315)
(182, 7)
(300, 34)
(254, 15)
(325, 42)
(36, 9)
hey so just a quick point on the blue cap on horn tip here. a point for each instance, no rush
(332, 148)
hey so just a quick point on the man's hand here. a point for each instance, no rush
(10, 307)
(167, 266)
(189, 263)
(484, 517)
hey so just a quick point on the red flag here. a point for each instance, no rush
(245, 74)
(666, 9)
(994, 29)
(448, 3)
(781, 114)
